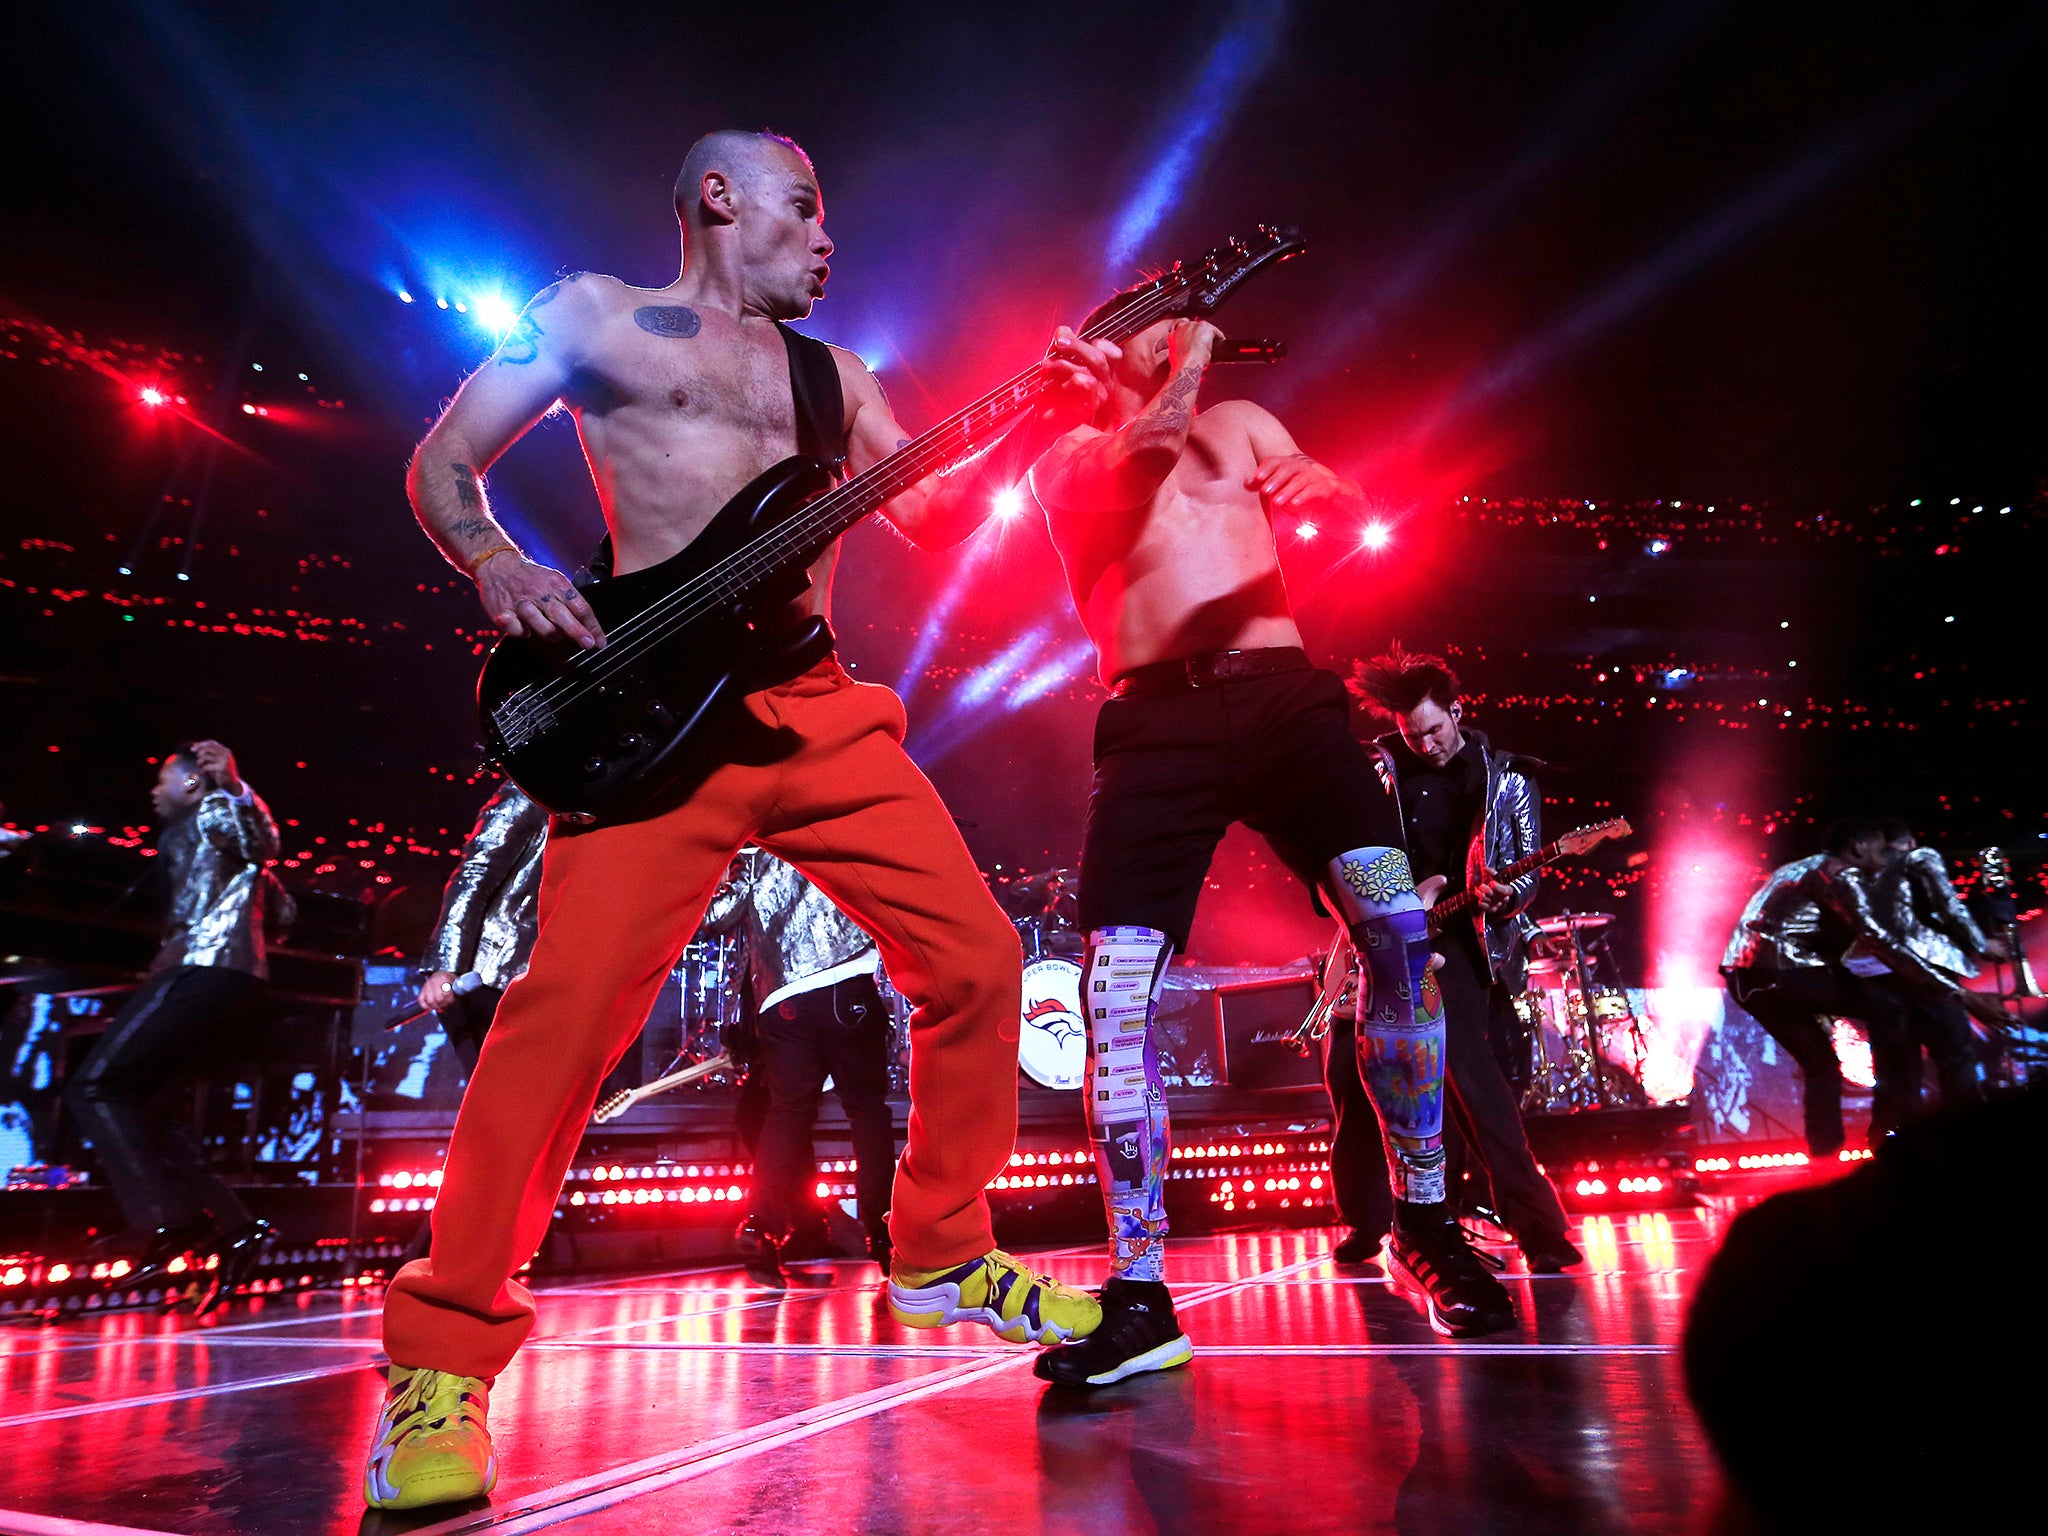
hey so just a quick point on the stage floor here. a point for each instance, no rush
(1319, 1400)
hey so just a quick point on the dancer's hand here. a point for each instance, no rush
(217, 764)
(438, 990)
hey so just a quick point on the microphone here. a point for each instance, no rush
(461, 986)
(1249, 350)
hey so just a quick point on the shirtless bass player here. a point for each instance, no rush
(681, 396)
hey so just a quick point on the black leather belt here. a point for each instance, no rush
(1207, 669)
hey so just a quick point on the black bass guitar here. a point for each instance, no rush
(634, 725)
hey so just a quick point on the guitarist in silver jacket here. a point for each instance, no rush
(1466, 811)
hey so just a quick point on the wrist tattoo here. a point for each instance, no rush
(671, 320)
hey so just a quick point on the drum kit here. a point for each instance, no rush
(1574, 997)
(1052, 1044)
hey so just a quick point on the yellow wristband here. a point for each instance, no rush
(491, 554)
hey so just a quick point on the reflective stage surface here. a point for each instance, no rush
(1319, 1400)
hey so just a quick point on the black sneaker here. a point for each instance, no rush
(1138, 1333)
(1361, 1247)
(1463, 1298)
(1552, 1256)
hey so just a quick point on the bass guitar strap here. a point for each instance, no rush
(820, 403)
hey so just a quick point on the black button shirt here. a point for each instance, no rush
(1441, 805)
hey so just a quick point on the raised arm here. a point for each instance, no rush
(1115, 471)
(941, 510)
(494, 408)
(1288, 479)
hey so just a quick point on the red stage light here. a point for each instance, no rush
(1009, 502)
(1376, 536)
(151, 395)
(1305, 530)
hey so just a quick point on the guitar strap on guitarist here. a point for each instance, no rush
(820, 402)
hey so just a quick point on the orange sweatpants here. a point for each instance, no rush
(617, 904)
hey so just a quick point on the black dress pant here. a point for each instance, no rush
(843, 1032)
(177, 1021)
(467, 1020)
(1941, 1026)
(1481, 1113)
(1793, 1005)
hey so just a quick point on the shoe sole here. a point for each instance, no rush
(1437, 1321)
(1161, 1357)
(455, 1487)
(938, 1306)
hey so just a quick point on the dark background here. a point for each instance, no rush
(1779, 261)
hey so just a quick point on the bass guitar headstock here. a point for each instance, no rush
(1184, 291)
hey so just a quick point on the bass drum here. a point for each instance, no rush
(1052, 1048)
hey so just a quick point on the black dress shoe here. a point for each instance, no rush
(1361, 1247)
(153, 1254)
(237, 1252)
(1462, 1297)
(1138, 1333)
(1552, 1256)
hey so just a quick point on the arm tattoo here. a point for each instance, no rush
(1174, 408)
(522, 343)
(671, 320)
(467, 490)
(472, 527)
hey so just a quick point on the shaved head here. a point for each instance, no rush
(740, 155)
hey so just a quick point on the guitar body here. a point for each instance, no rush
(629, 728)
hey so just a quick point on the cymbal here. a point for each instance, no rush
(1566, 922)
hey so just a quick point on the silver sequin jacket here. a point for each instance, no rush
(1510, 827)
(794, 934)
(1810, 913)
(488, 916)
(214, 859)
(1917, 905)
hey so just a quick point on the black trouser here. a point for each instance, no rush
(1481, 1113)
(1173, 772)
(467, 1020)
(1793, 1006)
(843, 1032)
(175, 1021)
(1942, 1026)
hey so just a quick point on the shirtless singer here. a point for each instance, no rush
(682, 395)
(1161, 516)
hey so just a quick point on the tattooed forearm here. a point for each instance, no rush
(671, 320)
(472, 527)
(467, 489)
(1169, 414)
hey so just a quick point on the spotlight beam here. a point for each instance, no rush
(1249, 43)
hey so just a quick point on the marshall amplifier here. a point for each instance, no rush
(1255, 1024)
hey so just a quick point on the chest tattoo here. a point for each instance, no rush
(671, 320)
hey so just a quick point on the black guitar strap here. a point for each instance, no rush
(820, 402)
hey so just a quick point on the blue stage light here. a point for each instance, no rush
(495, 313)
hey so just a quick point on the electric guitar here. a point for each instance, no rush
(619, 1103)
(1571, 845)
(1336, 975)
(635, 725)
